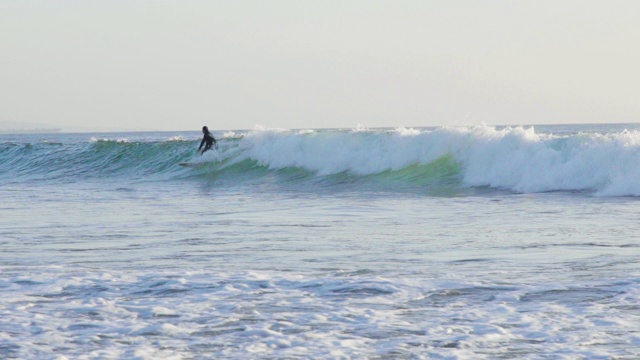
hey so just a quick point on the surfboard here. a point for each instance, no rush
(193, 165)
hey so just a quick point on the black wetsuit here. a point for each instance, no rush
(209, 140)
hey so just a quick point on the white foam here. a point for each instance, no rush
(516, 158)
(74, 312)
(360, 128)
(328, 153)
(119, 141)
(229, 135)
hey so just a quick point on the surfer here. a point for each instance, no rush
(208, 139)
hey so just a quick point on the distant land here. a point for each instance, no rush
(29, 131)
(14, 127)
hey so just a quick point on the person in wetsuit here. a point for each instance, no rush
(208, 139)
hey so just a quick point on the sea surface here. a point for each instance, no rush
(411, 243)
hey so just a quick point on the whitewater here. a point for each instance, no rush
(476, 242)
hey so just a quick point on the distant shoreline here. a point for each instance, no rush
(29, 131)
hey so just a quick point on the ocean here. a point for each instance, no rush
(476, 242)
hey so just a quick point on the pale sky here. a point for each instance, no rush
(179, 65)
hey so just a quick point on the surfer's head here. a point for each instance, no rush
(205, 129)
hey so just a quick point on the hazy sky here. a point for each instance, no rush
(177, 65)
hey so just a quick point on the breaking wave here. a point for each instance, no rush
(516, 159)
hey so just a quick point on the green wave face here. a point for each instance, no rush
(99, 159)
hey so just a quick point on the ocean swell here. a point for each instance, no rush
(517, 159)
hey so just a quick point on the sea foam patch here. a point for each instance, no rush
(74, 312)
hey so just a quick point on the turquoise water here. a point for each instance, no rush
(406, 243)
